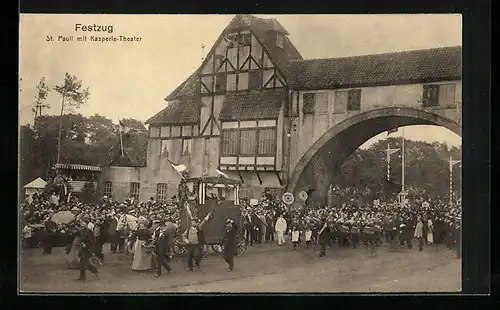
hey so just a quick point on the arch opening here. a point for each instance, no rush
(324, 158)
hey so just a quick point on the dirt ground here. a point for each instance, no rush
(263, 268)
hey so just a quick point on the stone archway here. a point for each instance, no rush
(327, 154)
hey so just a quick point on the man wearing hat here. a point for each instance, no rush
(113, 232)
(122, 228)
(194, 237)
(87, 241)
(162, 247)
(323, 235)
(230, 246)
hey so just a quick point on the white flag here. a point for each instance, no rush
(123, 129)
(179, 168)
(221, 173)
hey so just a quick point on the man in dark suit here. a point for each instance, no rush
(113, 232)
(102, 226)
(87, 241)
(162, 247)
(323, 236)
(270, 227)
(256, 223)
(249, 229)
(230, 240)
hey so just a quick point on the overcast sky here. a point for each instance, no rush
(131, 79)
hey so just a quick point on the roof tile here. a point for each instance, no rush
(135, 149)
(251, 106)
(418, 66)
(183, 111)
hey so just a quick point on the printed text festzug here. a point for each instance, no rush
(94, 28)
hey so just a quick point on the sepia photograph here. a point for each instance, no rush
(240, 153)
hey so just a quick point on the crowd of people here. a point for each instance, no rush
(147, 229)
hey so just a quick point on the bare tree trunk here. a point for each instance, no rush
(60, 132)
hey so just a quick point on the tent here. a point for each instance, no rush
(38, 183)
(35, 186)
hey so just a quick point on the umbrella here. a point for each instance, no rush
(63, 217)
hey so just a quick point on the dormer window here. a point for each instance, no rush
(280, 40)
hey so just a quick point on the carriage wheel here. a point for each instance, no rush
(242, 246)
(204, 251)
(218, 248)
(96, 262)
(179, 249)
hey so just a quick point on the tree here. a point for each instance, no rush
(89, 193)
(72, 96)
(134, 125)
(426, 167)
(28, 169)
(42, 93)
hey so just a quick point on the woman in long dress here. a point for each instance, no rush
(430, 232)
(142, 257)
(72, 250)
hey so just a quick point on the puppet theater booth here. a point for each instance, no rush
(35, 186)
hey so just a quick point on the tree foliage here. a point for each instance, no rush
(85, 140)
(426, 166)
(42, 92)
(89, 193)
(71, 92)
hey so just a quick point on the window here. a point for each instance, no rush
(231, 39)
(430, 96)
(340, 103)
(186, 131)
(248, 140)
(309, 100)
(161, 192)
(244, 39)
(154, 132)
(230, 142)
(108, 188)
(231, 82)
(280, 40)
(135, 188)
(175, 131)
(267, 141)
(354, 100)
(164, 152)
(220, 82)
(186, 147)
(254, 79)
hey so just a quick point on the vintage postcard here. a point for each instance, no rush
(240, 153)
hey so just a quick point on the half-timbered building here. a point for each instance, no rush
(254, 106)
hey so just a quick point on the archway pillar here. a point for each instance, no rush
(325, 157)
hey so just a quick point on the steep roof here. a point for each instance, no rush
(253, 105)
(262, 28)
(135, 149)
(185, 110)
(187, 88)
(418, 66)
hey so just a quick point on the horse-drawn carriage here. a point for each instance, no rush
(199, 196)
